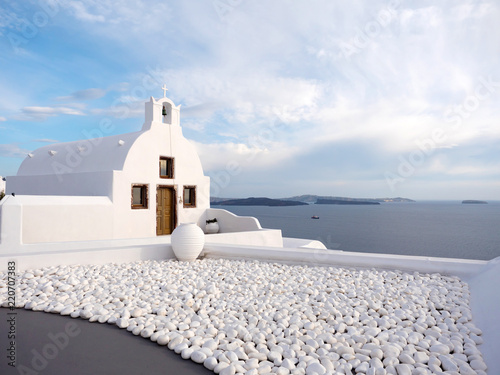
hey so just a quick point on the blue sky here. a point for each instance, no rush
(361, 99)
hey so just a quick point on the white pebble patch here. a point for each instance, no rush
(251, 317)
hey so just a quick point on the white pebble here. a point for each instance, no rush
(440, 349)
(420, 357)
(465, 369)
(315, 368)
(210, 363)
(137, 312)
(403, 369)
(67, 310)
(229, 370)
(478, 364)
(288, 364)
(211, 344)
(198, 356)
(163, 340)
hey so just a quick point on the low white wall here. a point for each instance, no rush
(262, 237)
(59, 219)
(87, 252)
(485, 303)
(229, 222)
(10, 223)
(299, 242)
(319, 257)
(79, 184)
(37, 219)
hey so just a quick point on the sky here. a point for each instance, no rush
(281, 98)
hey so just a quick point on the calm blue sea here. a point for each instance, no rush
(440, 229)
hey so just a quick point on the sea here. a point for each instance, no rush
(446, 229)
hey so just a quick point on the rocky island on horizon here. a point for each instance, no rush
(261, 201)
(473, 201)
(301, 200)
(345, 202)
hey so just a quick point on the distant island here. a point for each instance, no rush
(257, 202)
(301, 200)
(472, 201)
(314, 198)
(344, 202)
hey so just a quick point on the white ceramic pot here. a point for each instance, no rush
(187, 241)
(212, 228)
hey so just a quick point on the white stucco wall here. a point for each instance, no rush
(141, 167)
(229, 222)
(82, 218)
(261, 237)
(32, 219)
(485, 303)
(72, 184)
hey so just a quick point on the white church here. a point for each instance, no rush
(124, 192)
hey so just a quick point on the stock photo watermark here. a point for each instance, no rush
(483, 91)
(53, 347)
(55, 343)
(11, 315)
(224, 8)
(222, 179)
(372, 29)
(455, 115)
(27, 28)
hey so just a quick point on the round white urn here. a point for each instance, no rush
(211, 228)
(187, 241)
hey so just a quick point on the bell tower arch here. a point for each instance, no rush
(162, 111)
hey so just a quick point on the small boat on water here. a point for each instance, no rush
(314, 217)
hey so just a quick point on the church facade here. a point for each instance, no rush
(134, 185)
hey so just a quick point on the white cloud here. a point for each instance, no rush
(42, 113)
(257, 156)
(243, 101)
(46, 140)
(124, 107)
(81, 11)
(459, 167)
(393, 93)
(87, 94)
(115, 17)
(12, 151)
(2, 119)
(120, 87)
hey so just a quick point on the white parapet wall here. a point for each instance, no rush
(299, 243)
(29, 219)
(87, 252)
(485, 304)
(229, 222)
(261, 237)
(322, 257)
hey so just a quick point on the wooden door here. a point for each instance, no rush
(165, 214)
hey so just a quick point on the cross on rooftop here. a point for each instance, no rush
(164, 88)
